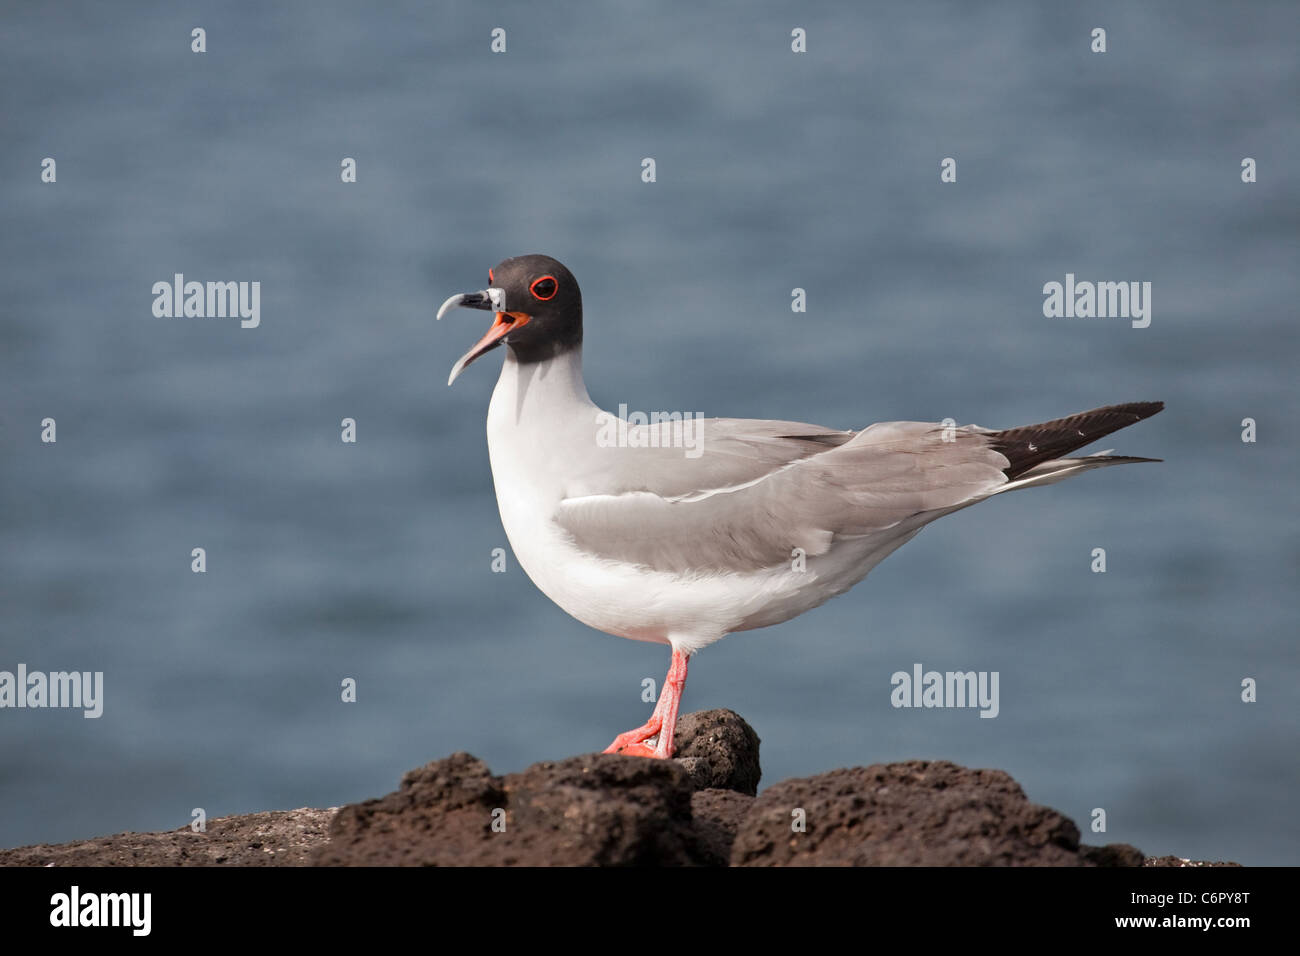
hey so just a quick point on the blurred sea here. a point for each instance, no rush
(820, 171)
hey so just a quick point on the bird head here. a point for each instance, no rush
(538, 310)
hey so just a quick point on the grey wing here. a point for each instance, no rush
(687, 457)
(782, 493)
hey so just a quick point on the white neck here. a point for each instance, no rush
(547, 394)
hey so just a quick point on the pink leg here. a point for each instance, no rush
(662, 723)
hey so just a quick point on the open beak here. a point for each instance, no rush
(506, 322)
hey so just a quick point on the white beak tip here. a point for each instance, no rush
(450, 304)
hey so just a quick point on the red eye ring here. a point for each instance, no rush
(491, 277)
(550, 293)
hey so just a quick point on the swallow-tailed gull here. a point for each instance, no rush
(681, 532)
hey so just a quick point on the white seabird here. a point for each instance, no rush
(684, 538)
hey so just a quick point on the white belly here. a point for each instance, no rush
(632, 601)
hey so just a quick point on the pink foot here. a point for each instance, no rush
(662, 723)
(634, 741)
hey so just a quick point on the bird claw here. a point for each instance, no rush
(637, 750)
(634, 742)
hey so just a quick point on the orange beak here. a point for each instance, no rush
(506, 322)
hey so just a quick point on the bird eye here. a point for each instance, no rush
(491, 277)
(544, 288)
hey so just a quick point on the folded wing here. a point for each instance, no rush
(747, 493)
(758, 490)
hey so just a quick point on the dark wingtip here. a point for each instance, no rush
(1144, 409)
(1031, 445)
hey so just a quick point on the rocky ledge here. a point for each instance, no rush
(699, 809)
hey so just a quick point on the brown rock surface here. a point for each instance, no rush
(593, 810)
(276, 838)
(1178, 861)
(612, 810)
(719, 750)
(915, 813)
(440, 813)
(718, 815)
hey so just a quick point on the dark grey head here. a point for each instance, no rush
(538, 310)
